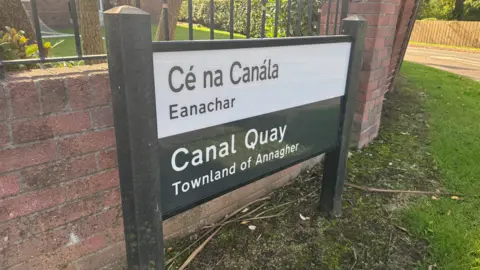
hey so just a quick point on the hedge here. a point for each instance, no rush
(201, 15)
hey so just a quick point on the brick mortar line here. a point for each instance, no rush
(74, 263)
(53, 186)
(65, 225)
(66, 159)
(64, 136)
(57, 113)
(50, 253)
(60, 75)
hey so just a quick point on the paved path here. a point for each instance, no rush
(462, 63)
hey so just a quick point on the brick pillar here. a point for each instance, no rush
(382, 19)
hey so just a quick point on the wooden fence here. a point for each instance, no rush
(454, 33)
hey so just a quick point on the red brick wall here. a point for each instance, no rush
(378, 59)
(59, 195)
(401, 32)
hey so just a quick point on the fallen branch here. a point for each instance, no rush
(198, 249)
(418, 192)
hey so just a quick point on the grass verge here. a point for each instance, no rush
(451, 227)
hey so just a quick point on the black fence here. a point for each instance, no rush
(293, 24)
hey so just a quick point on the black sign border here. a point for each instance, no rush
(226, 44)
(183, 46)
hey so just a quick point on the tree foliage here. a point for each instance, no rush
(201, 15)
(467, 10)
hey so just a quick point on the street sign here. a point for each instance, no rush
(194, 120)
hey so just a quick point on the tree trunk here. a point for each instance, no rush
(14, 15)
(173, 11)
(126, 2)
(92, 42)
(458, 10)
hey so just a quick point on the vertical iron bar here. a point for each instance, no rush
(38, 32)
(277, 9)
(76, 31)
(2, 67)
(190, 23)
(165, 19)
(337, 4)
(310, 10)
(344, 10)
(328, 17)
(249, 13)
(231, 18)
(289, 16)
(319, 20)
(212, 21)
(298, 31)
(264, 18)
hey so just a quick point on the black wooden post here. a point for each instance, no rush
(130, 64)
(335, 166)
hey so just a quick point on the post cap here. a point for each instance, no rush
(126, 10)
(355, 18)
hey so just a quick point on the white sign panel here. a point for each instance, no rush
(205, 88)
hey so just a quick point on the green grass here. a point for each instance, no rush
(448, 47)
(451, 227)
(67, 47)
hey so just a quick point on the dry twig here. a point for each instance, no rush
(273, 208)
(355, 257)
(418, 192)
(198, 249)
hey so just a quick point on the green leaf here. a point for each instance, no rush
(31, 50)
(5, 45)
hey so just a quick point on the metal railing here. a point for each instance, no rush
(297, 29)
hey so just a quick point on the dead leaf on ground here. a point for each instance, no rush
(435, 198)
(456, 198)
(252, 227)
(244, 222)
